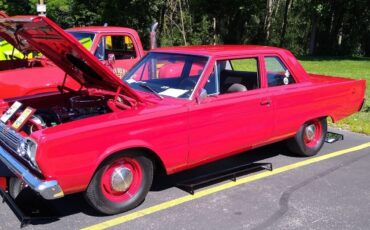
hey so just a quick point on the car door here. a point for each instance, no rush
(228, 122)
(119, 51)
(291, 99)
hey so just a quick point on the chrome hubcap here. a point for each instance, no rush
(121, 179)
(310, 132)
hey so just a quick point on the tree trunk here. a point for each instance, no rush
(315, 21)
(267, 23)
(336, 36)
(182, 24)
(276, 10)
(285, 22)
(214, 31)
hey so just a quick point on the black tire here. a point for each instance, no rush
(301, 145)
(109, 201)
(15, 187)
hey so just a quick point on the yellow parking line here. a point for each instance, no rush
(205, 192)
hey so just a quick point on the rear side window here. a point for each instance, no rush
(121, 46)
(277, 73)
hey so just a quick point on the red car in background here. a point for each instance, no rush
(119, 48)
(177, 108)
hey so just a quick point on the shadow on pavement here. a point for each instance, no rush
(163, 181)
(74, 204)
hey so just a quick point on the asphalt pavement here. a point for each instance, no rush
(328, 191)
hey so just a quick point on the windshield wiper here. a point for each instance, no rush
(143, 85)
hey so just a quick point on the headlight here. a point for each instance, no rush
(31, 148)
(22, 149)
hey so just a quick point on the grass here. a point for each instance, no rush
(357, 68)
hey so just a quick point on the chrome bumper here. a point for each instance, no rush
(49, 190)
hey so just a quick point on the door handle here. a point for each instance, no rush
(266, 102)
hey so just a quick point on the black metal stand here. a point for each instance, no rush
(230, 173)
(333, 137)
(33, 210)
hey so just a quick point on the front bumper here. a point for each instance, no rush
(48, 189)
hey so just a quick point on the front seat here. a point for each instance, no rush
(236, 87)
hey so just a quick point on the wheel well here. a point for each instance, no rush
(159, 168)
(327, 117)
(330, 118)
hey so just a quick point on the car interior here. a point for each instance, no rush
(234, 76)
(120, 46)
(234, 81)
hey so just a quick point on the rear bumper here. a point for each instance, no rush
(48, 189)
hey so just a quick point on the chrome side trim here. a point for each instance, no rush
(49, 190)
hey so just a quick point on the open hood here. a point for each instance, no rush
(21, 45)
(36, 33)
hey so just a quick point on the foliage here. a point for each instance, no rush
(315, 27)
(17, 6)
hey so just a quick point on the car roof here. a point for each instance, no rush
(103, 29)
(220, 50)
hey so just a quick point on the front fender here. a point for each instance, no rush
(121, 147)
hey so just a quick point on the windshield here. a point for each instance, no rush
(173, 75)
(86, 39)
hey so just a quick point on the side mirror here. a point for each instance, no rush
(203, 95)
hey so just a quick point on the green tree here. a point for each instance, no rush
(317, 27)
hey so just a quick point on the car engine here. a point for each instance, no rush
(77, 107)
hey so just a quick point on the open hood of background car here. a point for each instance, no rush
(35, 33)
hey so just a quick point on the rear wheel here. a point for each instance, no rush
(120, 183)
(309, 139)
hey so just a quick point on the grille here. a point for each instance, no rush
(16, 143)
(9, 138)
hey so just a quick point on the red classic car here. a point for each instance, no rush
(117, 47)
(177, 108)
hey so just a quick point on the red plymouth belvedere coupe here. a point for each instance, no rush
(175, 109)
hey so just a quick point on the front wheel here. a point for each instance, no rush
(309, 139)
(120, 183)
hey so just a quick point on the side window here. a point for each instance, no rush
(99, 52)
(277, 73)
(121, 46)
(235, 75)
(246, 65)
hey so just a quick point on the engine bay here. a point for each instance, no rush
(79, 107)
(73, 108)
(41, 112)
